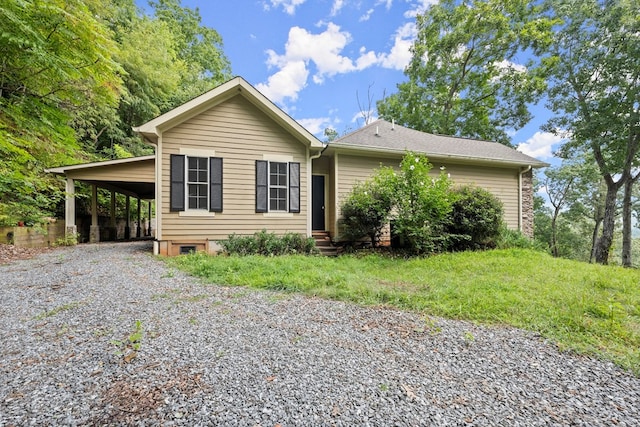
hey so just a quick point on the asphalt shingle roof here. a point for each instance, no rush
(384, 136)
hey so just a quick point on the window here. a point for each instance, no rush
(198, 182)
(195, 183)
(277, 186)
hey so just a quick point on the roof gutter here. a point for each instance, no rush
(433, 156)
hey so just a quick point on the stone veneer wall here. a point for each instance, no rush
(527, 204)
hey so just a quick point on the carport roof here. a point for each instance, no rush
(134, 176)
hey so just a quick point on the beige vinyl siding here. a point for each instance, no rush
(240, 134)
(143, 171)
(502, 182)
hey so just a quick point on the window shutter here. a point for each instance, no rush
(262, 186)
(215, 184)
(294, 187)
(176, 188)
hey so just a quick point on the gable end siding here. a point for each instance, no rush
(240, 134)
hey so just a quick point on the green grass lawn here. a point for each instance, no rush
(590, 309)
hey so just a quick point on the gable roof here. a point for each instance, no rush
(234, 87)
(384, 137)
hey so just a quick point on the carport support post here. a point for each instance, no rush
(149, 229)
(70, 209)
(113, 231)
(139, 219)
(94, 231)
(127, 214)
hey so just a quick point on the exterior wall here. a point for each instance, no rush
(502, 182)
(143, 172)
(240, 134)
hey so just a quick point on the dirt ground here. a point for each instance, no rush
(10, 253)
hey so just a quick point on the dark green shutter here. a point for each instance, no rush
(262, 186)
(177, 177)
(215, 184)
(294, 187)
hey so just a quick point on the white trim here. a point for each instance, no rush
(196, 212)
(309, 195)
(197, 152)
(64, 169)
(277, 215)
(277, 158)
(159, 186)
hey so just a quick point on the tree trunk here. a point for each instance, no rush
(594, 239)
(603, 246)
(626, 223)
(554, 233)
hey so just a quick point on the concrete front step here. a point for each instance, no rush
(323, 243)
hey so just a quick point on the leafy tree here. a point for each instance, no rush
(462, 79)
(56, 60)
(199, 47)
(593, 66)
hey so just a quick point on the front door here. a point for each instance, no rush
(317, 202)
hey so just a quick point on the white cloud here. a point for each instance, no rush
(419, 8)
(316, 125)
(540, 145)
(508, 65)
(324, 50)
(286, 83)
(400, 55)
(289, 6)
(366, 16)
(337, 6)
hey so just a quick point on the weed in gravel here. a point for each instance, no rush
(56, 310)
(129, 347)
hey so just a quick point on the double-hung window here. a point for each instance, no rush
(196, 183)
(277, 186)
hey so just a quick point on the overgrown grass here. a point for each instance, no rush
(589, 309)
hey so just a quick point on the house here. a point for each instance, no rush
(230, 161)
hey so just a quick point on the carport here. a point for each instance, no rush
(132, 177)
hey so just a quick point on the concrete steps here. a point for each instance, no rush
(323, 243)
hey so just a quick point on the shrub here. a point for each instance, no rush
(366, 209)
(515, 239)
(476, 219)
(264, 243)
(423, 206)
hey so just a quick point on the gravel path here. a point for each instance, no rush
(233, 356)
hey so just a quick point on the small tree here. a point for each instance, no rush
(423, 205)
(366, 210)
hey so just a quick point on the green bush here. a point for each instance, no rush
(476, 219)
(365, 211)
(264, 243)
(513, 239)
(423, 205)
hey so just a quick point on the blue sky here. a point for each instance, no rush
(315, 58)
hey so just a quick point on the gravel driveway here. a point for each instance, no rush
(234, 356)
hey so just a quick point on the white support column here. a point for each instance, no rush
(94, 231)
(70, 208)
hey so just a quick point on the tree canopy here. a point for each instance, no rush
(76, 75)
(463, 78)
